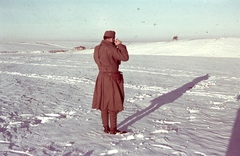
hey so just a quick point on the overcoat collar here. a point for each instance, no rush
(104, 42)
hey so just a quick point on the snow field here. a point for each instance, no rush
(174, 105)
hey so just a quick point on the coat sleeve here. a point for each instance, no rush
(96, 55)
(121, 53)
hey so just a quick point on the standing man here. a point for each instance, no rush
(109, 92)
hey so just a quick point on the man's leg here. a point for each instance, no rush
(113, 122)
(104, 115)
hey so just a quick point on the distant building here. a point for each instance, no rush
(175, 38)
(80, 48)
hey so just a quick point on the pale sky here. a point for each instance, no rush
(133, 20)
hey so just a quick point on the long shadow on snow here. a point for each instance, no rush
(233, 146)
(159, 101)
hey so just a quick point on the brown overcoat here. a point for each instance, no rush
(109, 91)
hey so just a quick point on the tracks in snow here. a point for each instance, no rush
(199, 90)
(208, 99)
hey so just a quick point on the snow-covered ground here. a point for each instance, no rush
(182, 99)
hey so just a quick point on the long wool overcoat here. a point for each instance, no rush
(109, 91)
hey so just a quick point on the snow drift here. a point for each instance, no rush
(182, 99)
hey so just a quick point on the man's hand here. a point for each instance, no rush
(117, 42)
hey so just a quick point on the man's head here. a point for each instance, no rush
(109, 35)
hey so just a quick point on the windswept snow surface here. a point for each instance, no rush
(182, 99)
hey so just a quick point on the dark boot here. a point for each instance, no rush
(104, 116)
(106, 129)
(113, 122)
(115, 131)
